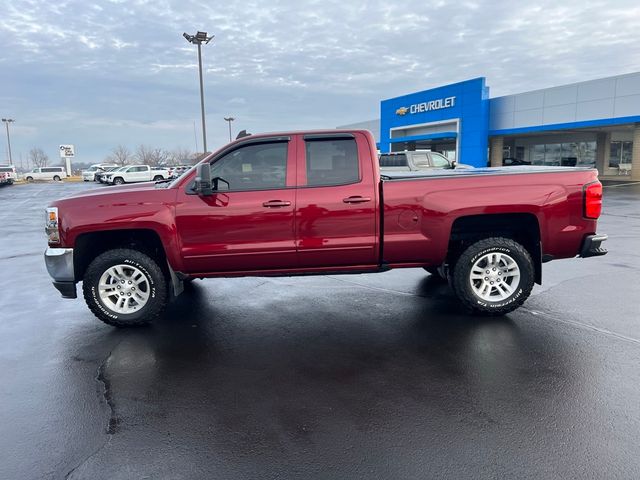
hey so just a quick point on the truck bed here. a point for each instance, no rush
(474, 172)
(419, 216)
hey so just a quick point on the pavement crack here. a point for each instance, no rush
(112, 424)
(113, 421)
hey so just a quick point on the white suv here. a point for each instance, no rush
(10, 172)
(89, 175)
(46, 173)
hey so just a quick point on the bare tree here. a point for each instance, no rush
(120, 155)
(143, 154)
(180, 156)
(38, 157)
(151, 156)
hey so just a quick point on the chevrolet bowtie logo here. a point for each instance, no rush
(402, 111)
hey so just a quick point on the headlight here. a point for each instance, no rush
(51, 225)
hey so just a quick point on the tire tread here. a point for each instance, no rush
(95, 270)
(459, 279)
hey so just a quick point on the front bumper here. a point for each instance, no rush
(59, 262)
(592, 246)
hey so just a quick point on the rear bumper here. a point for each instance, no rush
(592, 246)
(59, 262)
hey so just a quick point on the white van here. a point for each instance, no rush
(46, 173)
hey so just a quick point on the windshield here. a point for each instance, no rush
(6, 169)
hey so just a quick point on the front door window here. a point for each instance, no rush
(254, 167)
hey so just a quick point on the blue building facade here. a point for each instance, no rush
(452, 118)
(592, 123)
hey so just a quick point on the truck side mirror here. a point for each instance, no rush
(453, 163)
(203, 179)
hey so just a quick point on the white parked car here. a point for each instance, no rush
(137, 173)
(89, 175)
(411, 161)
(46, 173)
(10, 173)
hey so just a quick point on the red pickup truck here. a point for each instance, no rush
(316, 203)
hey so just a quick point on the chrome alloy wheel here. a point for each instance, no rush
(124, 289)
(494, 277)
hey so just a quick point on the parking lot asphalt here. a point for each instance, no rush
(359, 376)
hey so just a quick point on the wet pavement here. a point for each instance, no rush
(360, 376)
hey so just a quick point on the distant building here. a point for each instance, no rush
(593, 123)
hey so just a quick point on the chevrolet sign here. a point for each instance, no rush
(439, 104)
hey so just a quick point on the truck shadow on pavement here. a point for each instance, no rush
(255, 382)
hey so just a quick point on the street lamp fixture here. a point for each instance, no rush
(7, 121)
(198, 39)
(229, 119)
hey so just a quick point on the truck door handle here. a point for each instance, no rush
(356, 199)
(276, 204)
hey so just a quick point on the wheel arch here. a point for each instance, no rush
(89, 245)
(523, 228)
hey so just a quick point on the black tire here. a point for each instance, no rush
(157, 178)
(461, 276)
(56, 178)
(29, 179)
(118, 181)
(148, 267)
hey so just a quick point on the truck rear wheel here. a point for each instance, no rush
(125, 287)
(157, 178)
(493, 276)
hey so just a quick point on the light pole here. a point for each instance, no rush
(229, 119)
(7, 121)
(197, 39)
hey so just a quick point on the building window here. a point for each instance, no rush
(620, 152)
(537, 155)
(582, 154)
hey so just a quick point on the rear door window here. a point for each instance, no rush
(421, 160)
(332, 161)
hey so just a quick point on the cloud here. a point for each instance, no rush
(122, 68)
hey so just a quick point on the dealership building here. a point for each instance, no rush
(593, 123)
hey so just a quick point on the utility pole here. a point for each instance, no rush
(197, 39)
(7, 121)
(229, 119)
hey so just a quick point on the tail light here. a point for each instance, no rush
(593, 200)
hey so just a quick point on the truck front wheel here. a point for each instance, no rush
(158, 178)
(493, 276)
(125, 287)
(118, 181)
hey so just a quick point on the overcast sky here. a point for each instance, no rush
(120, 72)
